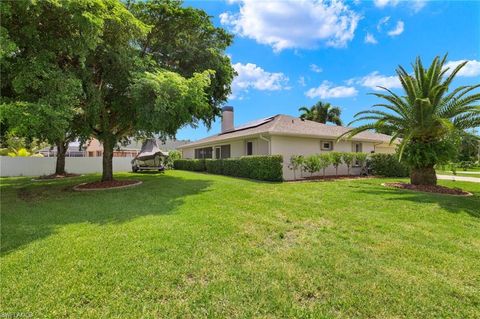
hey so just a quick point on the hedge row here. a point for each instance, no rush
(387, 165)
(264, 168)
(197, 165)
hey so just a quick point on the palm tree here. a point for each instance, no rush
(321, 113)
(425, 117)
(308, 113)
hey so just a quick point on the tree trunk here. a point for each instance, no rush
(423, 176)
(62, 147)
(107, 169)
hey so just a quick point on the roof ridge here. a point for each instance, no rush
(275, 122)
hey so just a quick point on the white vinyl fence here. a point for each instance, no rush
(38, 166)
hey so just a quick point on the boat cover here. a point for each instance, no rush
(149, 150)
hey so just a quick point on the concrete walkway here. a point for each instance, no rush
(459, 178)
(472, 173)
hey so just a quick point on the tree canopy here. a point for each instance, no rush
(110, 70)
(184, 40)
(44, 45)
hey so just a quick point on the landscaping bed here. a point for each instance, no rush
(57, 176)
(107, 185)
(429, 188)
(331, 178)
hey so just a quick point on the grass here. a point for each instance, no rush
(186, 245)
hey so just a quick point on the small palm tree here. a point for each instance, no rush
(322, 113)
(425, 117)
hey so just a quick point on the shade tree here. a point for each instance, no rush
(44, 45)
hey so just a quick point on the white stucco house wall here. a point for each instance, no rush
(283, 135)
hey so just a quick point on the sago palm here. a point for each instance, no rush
(322, 113)
(424, 117)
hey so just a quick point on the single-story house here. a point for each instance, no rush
(283, 135)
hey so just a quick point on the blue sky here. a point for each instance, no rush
(293, 53)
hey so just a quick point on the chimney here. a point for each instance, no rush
(227, 119)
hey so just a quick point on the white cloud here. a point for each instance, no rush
(327, 91)
(418, 5)
(472, 68)
(251, 76)
(415, 5)
(381, 22)
(397, 30)
(384, 3)
(369, 38)
(315, 68)
(375, 79)
(291, 24)
(301, 81)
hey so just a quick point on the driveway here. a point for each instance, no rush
(459, 178)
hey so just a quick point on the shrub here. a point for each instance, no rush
(387, 165)
(311, 164)
(336, 158)
(466, 165)
(325, 161)
(173, 155)
(266, 168)
(197, 165)
(214, 166)
(348, 159)
(296, 162)
(231, 167)
(361, 158)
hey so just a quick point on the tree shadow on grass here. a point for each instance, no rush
(452, 204)
(32, 211)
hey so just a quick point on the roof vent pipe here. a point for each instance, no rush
(227, 119)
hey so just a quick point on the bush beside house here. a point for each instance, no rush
(196, 165)
(265, 168)
(387, 165)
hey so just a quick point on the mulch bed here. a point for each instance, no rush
(57, 176)
(107, 185)
(329, 178)
(429, 189)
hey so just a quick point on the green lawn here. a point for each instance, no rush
(195, 245)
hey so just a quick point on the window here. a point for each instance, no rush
(249, 148)
(357, 147)
(326, 145)
(217, 152)
(205, 152)
(225, 151)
